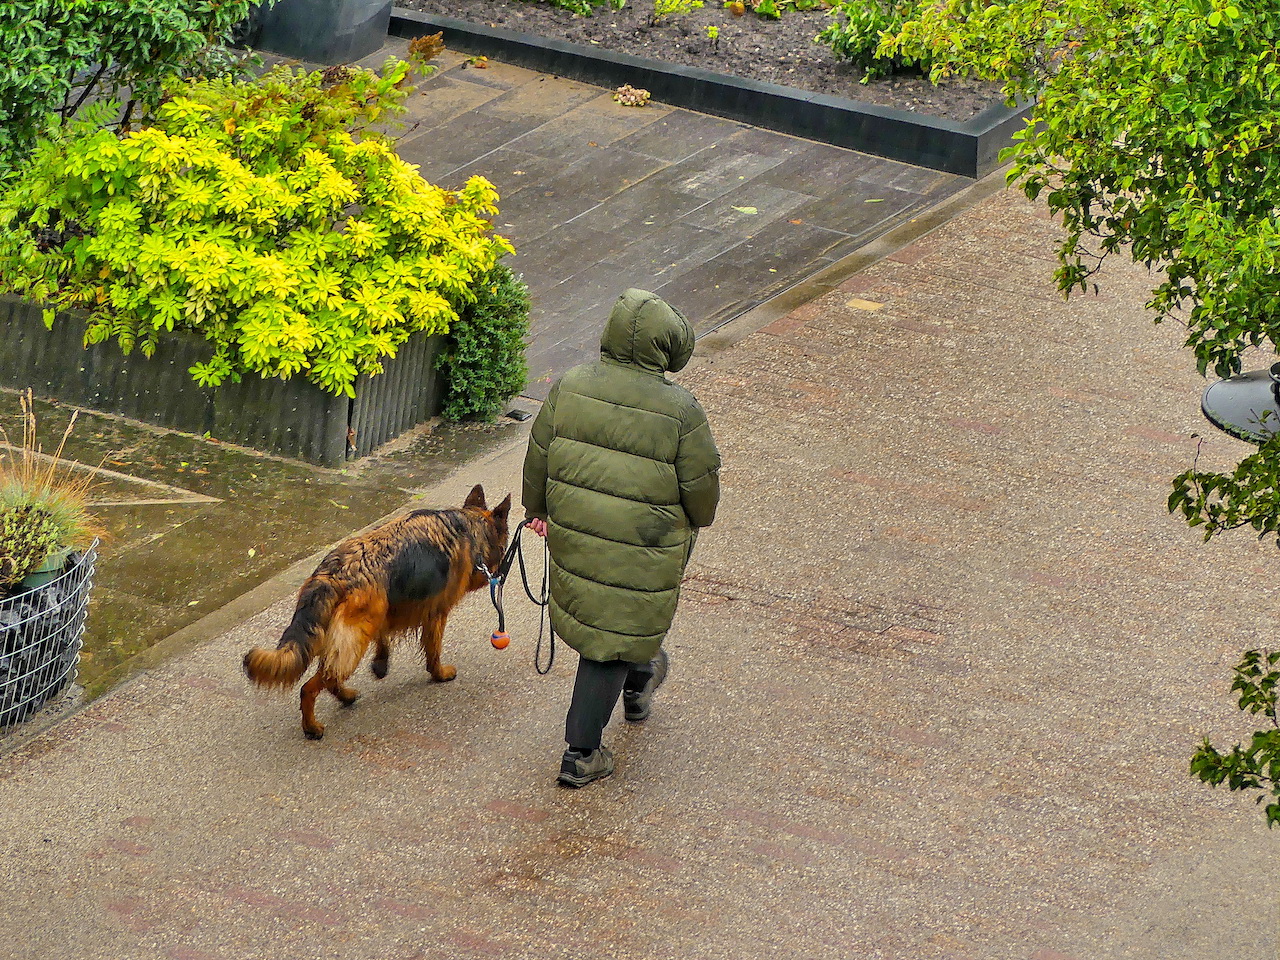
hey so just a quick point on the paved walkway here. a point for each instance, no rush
(936, 676)
(597, 197)
(713, 215)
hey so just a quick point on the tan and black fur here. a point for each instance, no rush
(405, 575)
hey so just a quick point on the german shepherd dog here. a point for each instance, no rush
(405, 575)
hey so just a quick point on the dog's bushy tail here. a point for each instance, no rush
(285, 665)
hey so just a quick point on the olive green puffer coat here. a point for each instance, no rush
(622, 466)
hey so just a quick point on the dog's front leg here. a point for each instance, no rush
(431, 639)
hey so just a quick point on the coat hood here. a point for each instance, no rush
(645, 331)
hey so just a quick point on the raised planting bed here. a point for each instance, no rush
(41, 631)
(292, 418)
(967, 147)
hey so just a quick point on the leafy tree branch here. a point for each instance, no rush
(54, 48)
(1255, 765)
(1155, 135)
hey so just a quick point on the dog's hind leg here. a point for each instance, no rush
(381, 658)
(347, 695)
(312, 727)
(431, 638)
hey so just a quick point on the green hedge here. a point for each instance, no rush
(485, 363)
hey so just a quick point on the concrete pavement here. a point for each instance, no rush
(936, 676)
(713, 214)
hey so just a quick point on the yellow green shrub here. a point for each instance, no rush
(264, 216)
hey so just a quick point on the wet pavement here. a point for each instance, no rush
(714, 216)
(936, 676)
(937, 672)
(597, 197)
(191, 524)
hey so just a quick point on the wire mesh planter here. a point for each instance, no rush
(41, 632)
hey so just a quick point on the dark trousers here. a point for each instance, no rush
(596, 689)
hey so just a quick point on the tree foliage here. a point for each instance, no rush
(1255, 765)
(60, 54)
(1248, 496)
(1156, 135)
(262, 215)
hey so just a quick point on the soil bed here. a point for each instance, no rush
(774, 51)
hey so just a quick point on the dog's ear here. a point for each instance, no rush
(502, 509)
(475, 498)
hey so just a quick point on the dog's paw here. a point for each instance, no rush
(314, 734)
(444, 673)
(379, 668)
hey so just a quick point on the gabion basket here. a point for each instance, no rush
(41, 632)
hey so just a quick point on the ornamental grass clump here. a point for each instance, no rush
(43, 503)
(266, 216)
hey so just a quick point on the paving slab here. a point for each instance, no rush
(565, 157)
(937, 672)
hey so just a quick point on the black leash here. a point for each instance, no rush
(498, 580)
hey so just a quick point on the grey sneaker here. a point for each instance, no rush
(577, 769)
(635, 705)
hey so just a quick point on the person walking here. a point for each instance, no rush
(620, 474)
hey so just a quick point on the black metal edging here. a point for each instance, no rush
(969, 149)
(291, 418)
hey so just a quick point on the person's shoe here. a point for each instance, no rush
(636, 704)
(577, 769)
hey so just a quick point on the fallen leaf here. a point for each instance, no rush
(877, 200)
(252, 552)
(795, 221)
(748, 210)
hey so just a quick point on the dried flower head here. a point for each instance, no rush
(427, 47)
(338, 73)
(629, 96)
